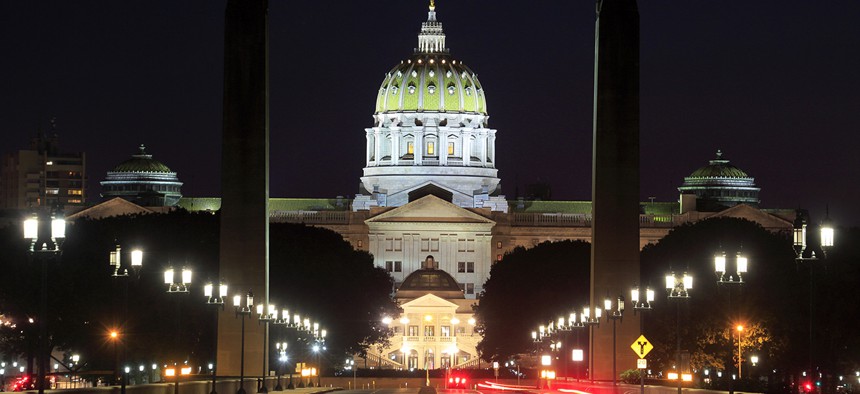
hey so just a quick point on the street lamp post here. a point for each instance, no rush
(591, 322)
(678, 287)
(800, 244)
(265, 314)
(217, 301)
(178, 288)
(281, 347)
(114, 337)
(242, 311)
(614, 314)
(740, 329)
(121, 273)
(728, 279)
(285, 321)
(350, 364)
(642, 306)
(46, 232)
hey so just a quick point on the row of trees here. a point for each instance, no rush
(530, 286)
(312, 270)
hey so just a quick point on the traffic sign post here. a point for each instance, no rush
(642, 346)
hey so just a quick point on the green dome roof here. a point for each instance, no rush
(141, 162)
(431, 82)
(719, 168)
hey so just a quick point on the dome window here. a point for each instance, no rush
(448, 74)
(451, 89)
(399, 74)
(394, 90)
(411, 89)
(414, 74)
(431, 73)
(463, 75)
(468, 90)
(431, 89)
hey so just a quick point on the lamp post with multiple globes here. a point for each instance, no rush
(122, 273)
(46, 231)
(178, 288)
(678, 287)
(641, 305)
(800, 243)
(726, 278)
(614, 314)
(217, 301)
(242, 311)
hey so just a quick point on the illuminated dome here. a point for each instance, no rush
(430, 132)
(431, 82)
(143, 181)
(719, 185)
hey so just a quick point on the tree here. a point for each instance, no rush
(529, 287)
(313, 270)
(767, 303)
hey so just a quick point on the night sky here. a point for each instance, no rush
(775, 84)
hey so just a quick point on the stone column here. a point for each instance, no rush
(377, 146)
(244, 246)
(419, 146)
(467, 147)
(615, 180)
(442, 140)
(369, 146)
(395, 146)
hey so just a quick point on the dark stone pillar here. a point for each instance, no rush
(615, 187)
(244, 258)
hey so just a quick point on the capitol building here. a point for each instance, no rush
(430, 210)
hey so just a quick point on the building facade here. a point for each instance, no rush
(43, 176)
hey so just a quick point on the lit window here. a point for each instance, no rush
(451, 89)
(52, 191)
(448, 74)
(394, 90)
(431, 148)
(468, 90)
(410, 148)
(411, 89)
(498, 257)
(76, 192)
(499, 245)
(429, 331)
(74, 201)
(414, 73)
(431, 89)
(431, 73)
(450, 148)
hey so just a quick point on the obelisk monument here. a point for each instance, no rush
(615, 179)
(244, 254)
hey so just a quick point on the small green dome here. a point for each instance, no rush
(719, 168)
(141, 162)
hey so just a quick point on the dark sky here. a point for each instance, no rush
(773, 83)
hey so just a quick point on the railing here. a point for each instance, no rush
(446, 339)
(311, 217)
(528, 219)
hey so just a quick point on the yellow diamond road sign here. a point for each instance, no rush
(642, 346)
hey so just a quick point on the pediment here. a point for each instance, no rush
(743, 211)
(429, 209)
(113, 207)
(405, 193)
(429, 301)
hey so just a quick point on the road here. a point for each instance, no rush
(406, 391)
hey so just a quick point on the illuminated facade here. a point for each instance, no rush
(430, 132)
